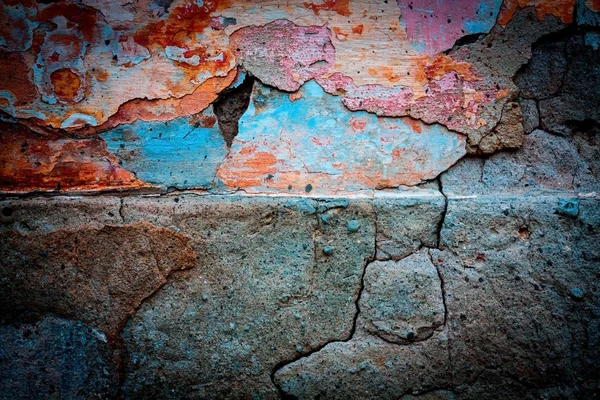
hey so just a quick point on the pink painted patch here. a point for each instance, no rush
(434, 25)
(283, 54)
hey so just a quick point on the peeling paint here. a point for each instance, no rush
(92, 68)
(182, 153)
(30, 162)
(284, 146)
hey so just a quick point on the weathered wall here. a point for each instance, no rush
(323, 199)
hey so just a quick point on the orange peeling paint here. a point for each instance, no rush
(187, 17)
(339, 6)
(295, 96)
(168, 109)
(416, 126)
(30, 162)
(358, 29)
(439, 66)
(502, 94)
(562, 9)
(390, 74)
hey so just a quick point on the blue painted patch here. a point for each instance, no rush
(585, 16)
(177, 153)
(485, 18)
(317, 137)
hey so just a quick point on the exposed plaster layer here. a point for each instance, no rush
(87, 274)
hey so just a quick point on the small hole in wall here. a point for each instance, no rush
(7, 211)
(524, 233)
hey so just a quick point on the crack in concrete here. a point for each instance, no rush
(367, 262)
(121, 209)
(443, 218)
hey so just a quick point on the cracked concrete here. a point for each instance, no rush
(282, 206)
(289, 298)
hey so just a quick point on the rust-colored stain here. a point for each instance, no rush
(339, 6)
(66, 84)
(30, 162)
(14, 78)
(562, 9)
(110, 279)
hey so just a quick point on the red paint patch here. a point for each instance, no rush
(14, 77)
(358, 124)
(358, 29)
(82, 16)
(30, 162)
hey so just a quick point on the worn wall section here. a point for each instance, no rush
(325, 199)
(125, 92)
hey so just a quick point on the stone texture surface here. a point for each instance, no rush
(284, 296)
(407, 222)
(518, 260)
(531, 116)
(40, 214)
(368, 368)
(509, 132)
(545, 163)
(563, 77)
(402, 301)
(56, 359)
(520, 292)
(278, 278)
(87, 273)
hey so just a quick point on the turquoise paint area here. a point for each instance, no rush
(585, 16)
(317, 134)
(484, 19)
(178, 153)
(592, 39)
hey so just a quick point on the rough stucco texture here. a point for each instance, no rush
(323, 199)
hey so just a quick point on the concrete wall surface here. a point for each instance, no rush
(322, 199)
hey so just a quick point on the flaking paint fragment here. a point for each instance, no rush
(285, 145)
